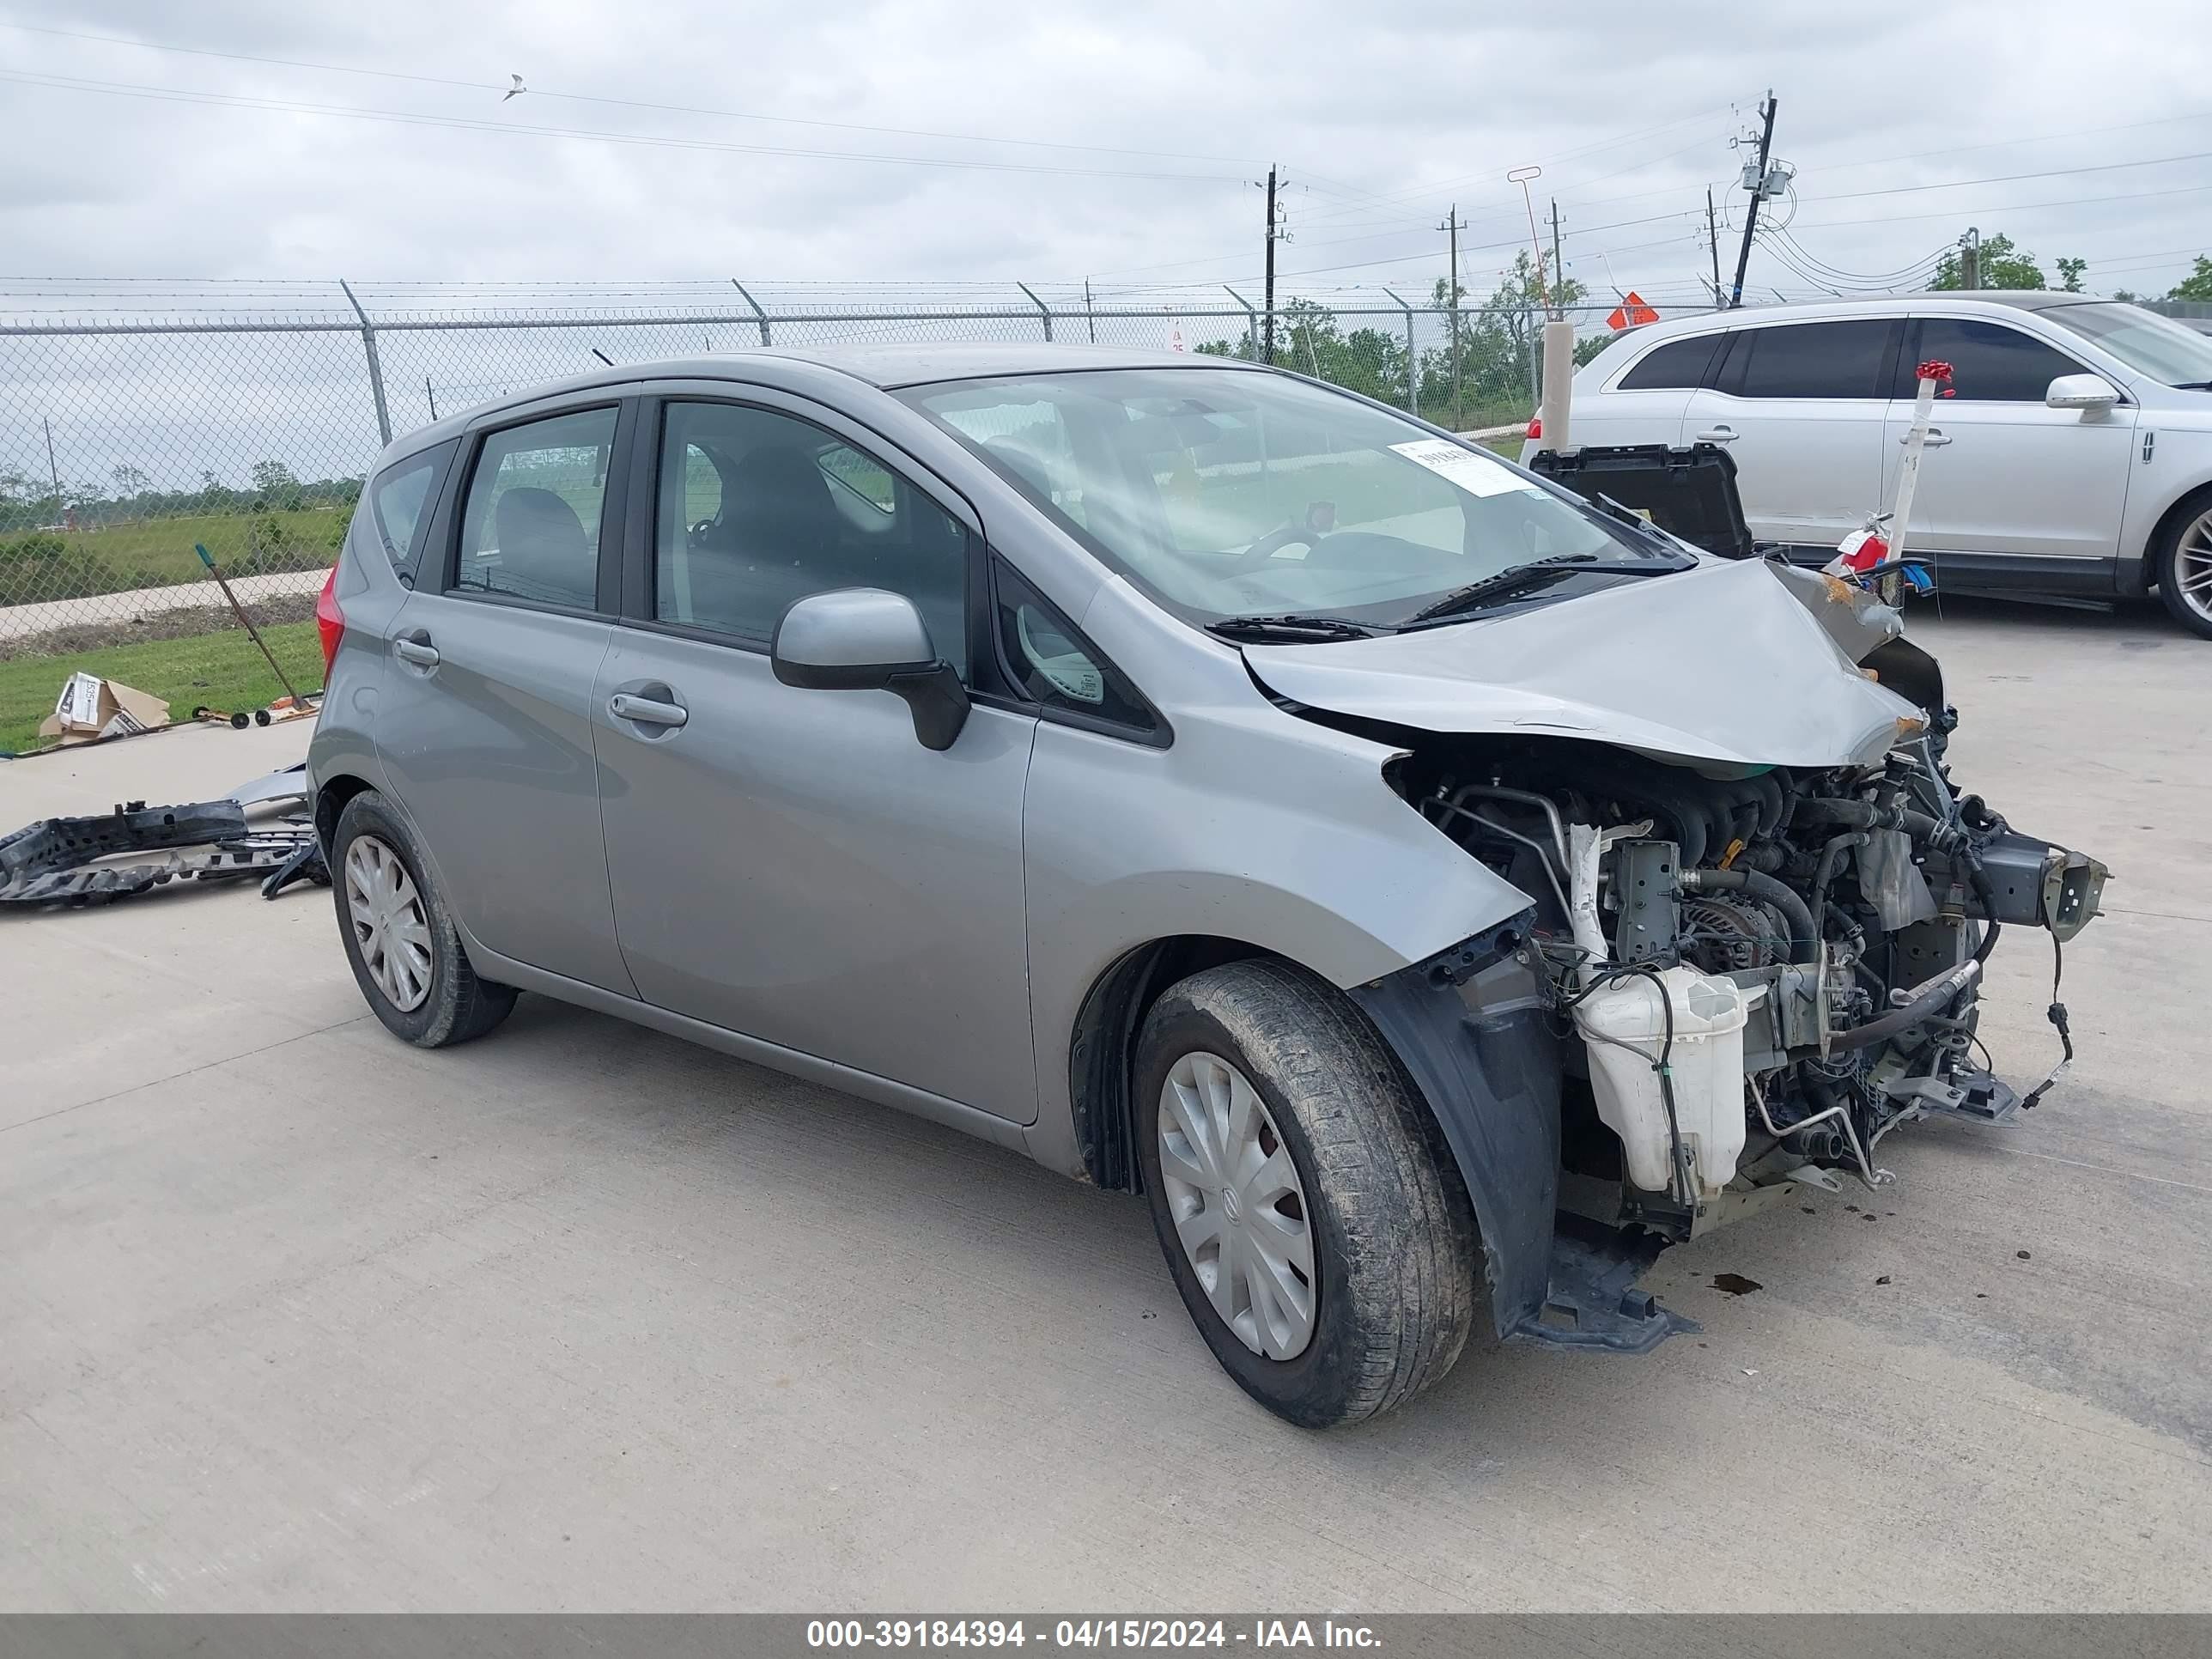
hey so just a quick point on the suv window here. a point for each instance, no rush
(1680, 365)
(399, 503)
(1812, 359)
(531, 530)
(759, 509)
(1991, 363)
(1052, 664)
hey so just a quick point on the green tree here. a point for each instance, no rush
(2000, 265)
(277, 487)
(2197, 285)
(1498, 340)
(2069, 275)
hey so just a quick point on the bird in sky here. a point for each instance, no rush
(513, 91)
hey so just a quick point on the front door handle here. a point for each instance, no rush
(1935, 440)
(1718, 435)
(646, 711)
(418, 649)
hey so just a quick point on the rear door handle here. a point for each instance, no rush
(646, 711)
(1718, 435)
(418, 650)
(1935, 440)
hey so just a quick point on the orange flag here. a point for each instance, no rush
(1630, 313)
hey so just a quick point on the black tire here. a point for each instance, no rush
(1393, 1233)
(2166, 562)
(460, 1005)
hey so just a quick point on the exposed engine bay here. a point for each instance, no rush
(1757, 972)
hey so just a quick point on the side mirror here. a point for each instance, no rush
(2090, 392)
(863, 639)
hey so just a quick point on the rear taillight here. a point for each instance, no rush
(330, 621)
(1536, 427)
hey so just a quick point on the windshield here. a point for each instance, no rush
(1225, 493)
(2146, 342)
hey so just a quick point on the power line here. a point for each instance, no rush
(2008, 143)
(1957, 209)
(2016, 178)
(1510, 241)
(1441, 187)
(594, 98)
(461, 123)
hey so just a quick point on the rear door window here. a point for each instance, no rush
(531, 530)
(1677, 366)
(1991, 363)
(1812, 361)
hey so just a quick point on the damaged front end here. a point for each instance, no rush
(1736, 979)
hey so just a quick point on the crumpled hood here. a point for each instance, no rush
(1722, 664)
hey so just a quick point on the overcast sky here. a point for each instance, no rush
(1628, 108)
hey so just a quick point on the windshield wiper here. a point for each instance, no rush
(1291, 627)
(1538, 573)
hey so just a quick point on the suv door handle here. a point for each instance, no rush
(418, 649)
(646, 711)
(1935, 440)
(1718, 435)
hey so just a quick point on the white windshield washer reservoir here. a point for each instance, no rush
(1624, 1025)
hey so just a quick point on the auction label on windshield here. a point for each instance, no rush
(1470, 469)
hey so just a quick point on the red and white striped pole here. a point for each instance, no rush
(1932, 375)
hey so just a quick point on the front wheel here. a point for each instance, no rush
(1323, 1248)
(2184, 567)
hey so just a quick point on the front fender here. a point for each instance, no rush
(1475, 1030)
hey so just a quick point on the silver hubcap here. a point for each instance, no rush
(388, 922)
(1238, 1205)
(2192, 567)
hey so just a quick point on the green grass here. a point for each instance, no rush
(222, 670)
(162, 548)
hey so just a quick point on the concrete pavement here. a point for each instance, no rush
(293, 1316)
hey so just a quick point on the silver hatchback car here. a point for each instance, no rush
(1212, 784)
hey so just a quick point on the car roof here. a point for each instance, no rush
(893, 365)
(888, 367)
(1987, 300)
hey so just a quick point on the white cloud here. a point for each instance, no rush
(1418, 103)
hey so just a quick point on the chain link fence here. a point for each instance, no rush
(242, 422)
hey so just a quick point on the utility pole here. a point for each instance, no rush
(1751, 213)
(52, 472)
(1089, 312)
(1268, 334)
(1559, 260)
(1970, 259)
(431, 396)
(1713, 237)
(1451, 226)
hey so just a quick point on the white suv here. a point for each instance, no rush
(2071, 453)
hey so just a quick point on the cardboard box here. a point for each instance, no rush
(90, 708)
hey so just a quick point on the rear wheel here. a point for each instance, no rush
(1325, 1251)
(2184, 567)
(399, 935)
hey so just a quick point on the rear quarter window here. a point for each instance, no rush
(397, 504)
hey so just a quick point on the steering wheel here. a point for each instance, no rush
(1276, 540)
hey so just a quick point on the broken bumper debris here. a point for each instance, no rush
(75, 862)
